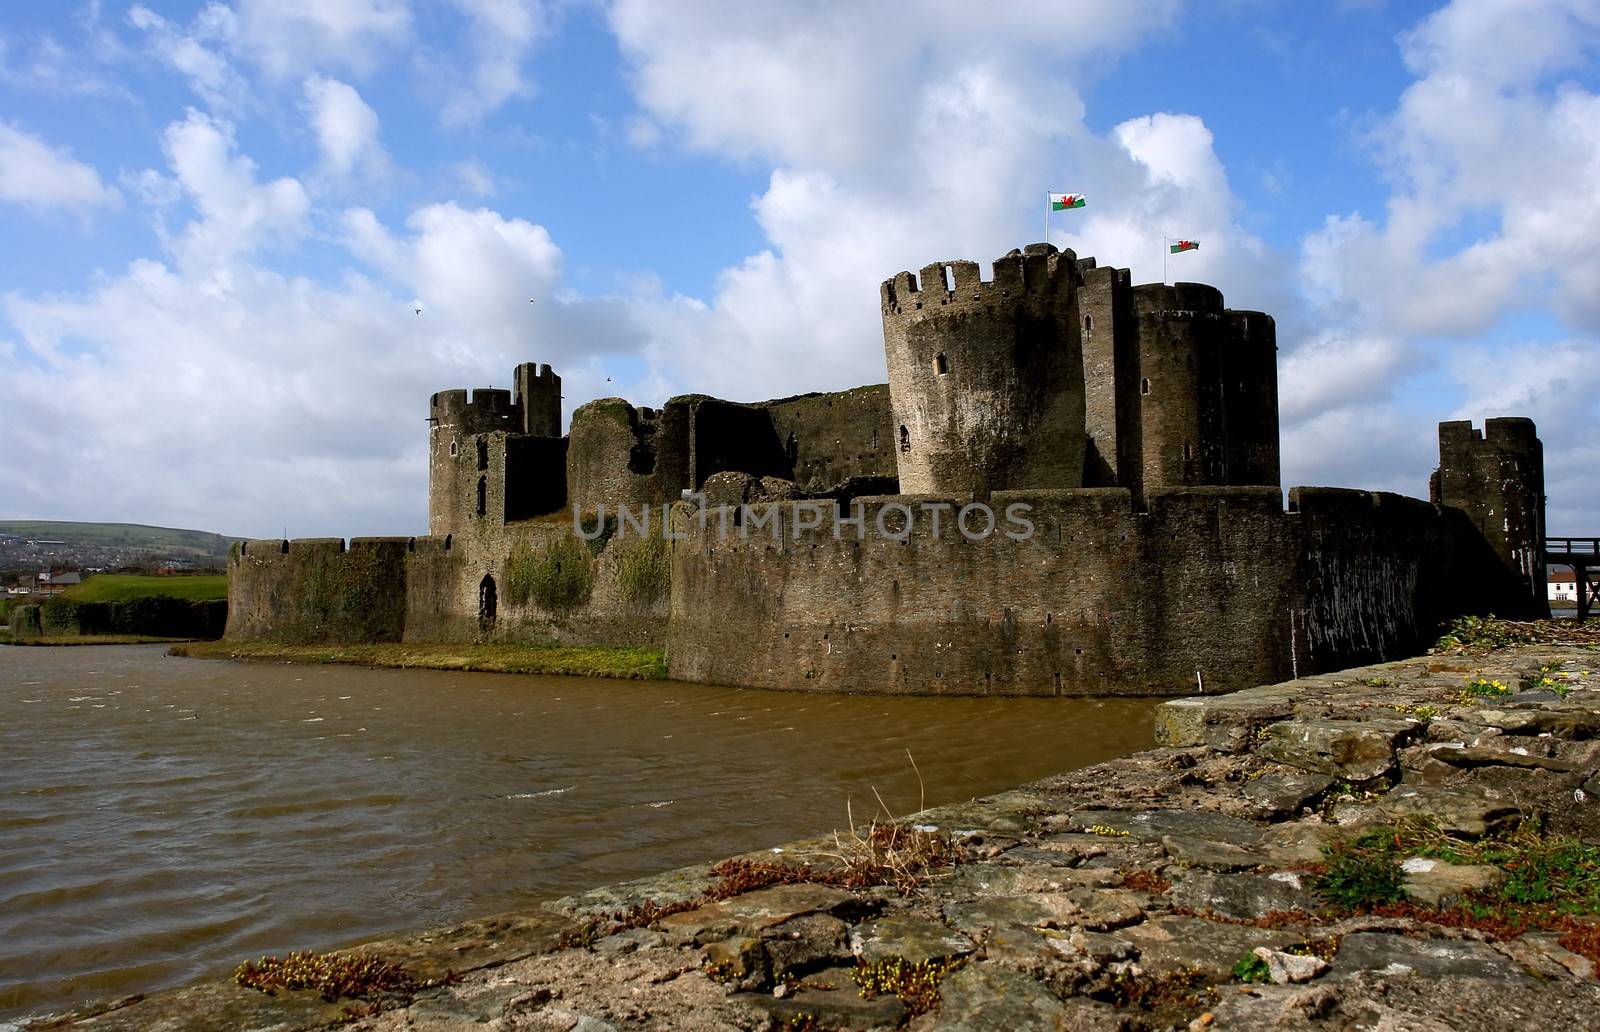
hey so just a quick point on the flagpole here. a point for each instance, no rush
(1046, 217)
(1164, 245)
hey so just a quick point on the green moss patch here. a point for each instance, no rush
(557, 576)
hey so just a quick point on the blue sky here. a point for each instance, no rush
(217, 219)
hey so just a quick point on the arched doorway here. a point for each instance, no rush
(487, 600)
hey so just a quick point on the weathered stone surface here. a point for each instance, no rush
(842, 1008)
(1283, 795)
(740, 961)
(1168, 945)
(1427, 958)
(1574, 721)
(986, 998)
(629, 940)
(752, 912)
(1355, 749)
(1286, 968)
(1300, 842)
(1440, 884)
(1467, 810)
(1158, 824)
(1241, 895)
(1482, 756)
(1543, 954)
(1223, 722)
(806, 942)
(912, 938)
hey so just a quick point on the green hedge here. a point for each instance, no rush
(159, 616)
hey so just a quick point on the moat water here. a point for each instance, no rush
(163, 819)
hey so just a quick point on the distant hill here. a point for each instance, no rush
(128, 535)
(106, 546)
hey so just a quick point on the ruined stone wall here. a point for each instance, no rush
(620, 455)
(317, 590)
(536, 476)
(986, 377)
(829, 438)
(610, 592)
(550, 587)
(1496, 478)
(727, 435)
(1218, 586)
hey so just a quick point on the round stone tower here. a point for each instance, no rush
(457, 457)
(1180, 332)
(986, 377)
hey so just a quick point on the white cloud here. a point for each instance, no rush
(475, 178)
(237, 214)
(1331, 371)
(838, 86)
(212, 391)
(1492, 153)
(196, 53)
(898, 140)
(1558, 384)
(500, 33)
(287, 38)
(346, 127)
(39, 176)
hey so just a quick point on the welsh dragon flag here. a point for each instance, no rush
(1185, 245)
(1063, 201)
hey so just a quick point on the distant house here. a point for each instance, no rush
(1564, 586)
(55, 584)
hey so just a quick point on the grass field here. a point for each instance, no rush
(631, 663)
(115, 587)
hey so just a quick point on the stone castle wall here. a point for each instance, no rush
(433, 589)
(1222, 583)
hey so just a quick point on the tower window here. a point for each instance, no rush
(483, 496)
(1088, 324)
(1144, 385)
(941, 365)
(874, 440)
(483, 454)
(455, 448)
(1188, 451)
(905, 439)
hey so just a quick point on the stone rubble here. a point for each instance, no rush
(1118, 897)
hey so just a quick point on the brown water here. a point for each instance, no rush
(162, 818)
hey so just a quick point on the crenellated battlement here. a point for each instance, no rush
(1177, 301)
(487, 409)
(1035, 274)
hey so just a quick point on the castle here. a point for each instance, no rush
(1135, 426)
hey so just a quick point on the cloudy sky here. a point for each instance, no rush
(218, 219)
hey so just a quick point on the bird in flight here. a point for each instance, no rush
(417, 310)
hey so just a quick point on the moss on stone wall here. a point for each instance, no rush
(644, 570)
(557, 576)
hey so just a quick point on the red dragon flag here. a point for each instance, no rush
(1063, 201)
(1185, 245)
